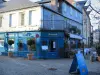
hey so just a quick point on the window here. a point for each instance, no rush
(71, 10)
(12, 20)
(44, 42)
(52, 45)
(30, 17)
(76, 13)
(31, 44)
(22, 18)
(0, 21)
(65, 8)
(80, 16)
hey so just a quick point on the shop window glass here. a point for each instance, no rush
(44, 42)
(44, 45)
(20, 45)
(1, 43)
(31, 44)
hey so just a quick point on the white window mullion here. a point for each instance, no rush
(22, 18)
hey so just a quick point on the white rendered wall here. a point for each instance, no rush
(36, 22)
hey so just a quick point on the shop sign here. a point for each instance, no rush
(51, 34)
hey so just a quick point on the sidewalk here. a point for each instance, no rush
(21, 66)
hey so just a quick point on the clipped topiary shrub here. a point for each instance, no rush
(10, 42)
(31, 44)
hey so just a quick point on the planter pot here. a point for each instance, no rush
(20, 49)
(30, 56)
(71, 56)
(91, 58)
(10, 54)
(99, 58)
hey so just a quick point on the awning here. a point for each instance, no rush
(75, 36)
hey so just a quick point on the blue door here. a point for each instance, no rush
(53, 48)
(44, 46)
(50, 46)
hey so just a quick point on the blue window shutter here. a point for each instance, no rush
(10, 20)
(30, 17)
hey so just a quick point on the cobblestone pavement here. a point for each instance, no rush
(21, 66)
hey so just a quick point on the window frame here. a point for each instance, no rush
(21, 22)
(76, 13)
(71, 11)
(30, 17)
(1, 19)
(10, 20)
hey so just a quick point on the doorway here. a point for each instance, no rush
(50, 46)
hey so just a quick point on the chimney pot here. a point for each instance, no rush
(54, 4)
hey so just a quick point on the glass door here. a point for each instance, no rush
(49, 48)
(52, 51)
(52, 45)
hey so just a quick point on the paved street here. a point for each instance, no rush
(21, 66)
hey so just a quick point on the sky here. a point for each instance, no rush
(96, 5)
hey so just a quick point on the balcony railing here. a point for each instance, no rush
(54, 24)
(44, 24)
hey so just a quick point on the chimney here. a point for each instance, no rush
(71, 1)
(54, 5)
(60, 6)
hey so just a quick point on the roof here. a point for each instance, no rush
(72, 6)
(81, 2)
(1, 1)
(96, 30)
(16, 4)
(43, 1)
(20, 4)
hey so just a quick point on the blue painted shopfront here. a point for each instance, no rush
(52, 40)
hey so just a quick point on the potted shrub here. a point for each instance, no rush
(20, 45)
(73, 29)
(10, 53)
(31, 47)
(98, 51)
(66, 44)
(66, 35)
(78, 31)
(71, 54)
